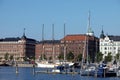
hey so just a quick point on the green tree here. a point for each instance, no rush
(117, 56)
(0, 58)
(61, 56)
(79, 57)
(18, 58)
(70, 56)
(6, 56)
(50, 58)
(99, 57)
(108, 58)
(44, 57)
(11, 57)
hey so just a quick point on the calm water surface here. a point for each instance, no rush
(8, 73)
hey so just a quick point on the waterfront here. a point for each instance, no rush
(9, 73)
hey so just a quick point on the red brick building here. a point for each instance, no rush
(76, 45)
(17, 47)
(49, 49)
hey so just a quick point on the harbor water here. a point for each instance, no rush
(9, 73)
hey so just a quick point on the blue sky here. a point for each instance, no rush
(15, 15)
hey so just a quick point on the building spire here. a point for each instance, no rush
(24, 32)
(102, 33)
(89, 29)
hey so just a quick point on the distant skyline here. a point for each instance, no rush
(15, 15)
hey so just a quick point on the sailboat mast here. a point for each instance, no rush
(53, 42)
(64, 44)
(87, 37)
(43, 42)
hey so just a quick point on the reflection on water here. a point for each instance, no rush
(9, 73)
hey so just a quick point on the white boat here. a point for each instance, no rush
(46, 64)
(118, 72)
(56, 71)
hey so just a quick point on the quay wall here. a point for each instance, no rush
(24, 65)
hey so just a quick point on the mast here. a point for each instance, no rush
(53, 42)
(83, 55)
(43, 42)
(87, 37)
(64, 44)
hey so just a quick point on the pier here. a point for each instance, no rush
(24, 65)
(50, 72)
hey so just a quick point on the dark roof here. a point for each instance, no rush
(29, 40)
(114, 38)
(50, 41)
(16, 39)
(10, 39)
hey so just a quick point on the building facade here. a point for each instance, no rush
(48, 49)
(81, 44)
(17, 47)
(109, 44)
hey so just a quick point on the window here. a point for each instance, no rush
(105, 44)
(114, 48)
(105, 48)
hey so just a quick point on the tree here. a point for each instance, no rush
(61, 56)
(11, 57)
(108, 58)
(0, 58)
(50, 58)
(99, 57)
(6, 56)
(70, 56)
(79, 57)
(117, 56)
(18, 58)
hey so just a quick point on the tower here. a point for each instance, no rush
(102, 36)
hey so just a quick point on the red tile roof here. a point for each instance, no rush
(74, 37)
(80, 37)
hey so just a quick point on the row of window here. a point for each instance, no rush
(110, 44)
(73, 41)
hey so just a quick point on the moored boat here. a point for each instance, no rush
(104, 71)
(46, 64)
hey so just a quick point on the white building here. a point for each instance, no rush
(109, 44)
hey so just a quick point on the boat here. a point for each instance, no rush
(56, 71)
(5, 64)
(89, 70)
(118, 72)
(104, 71)
(46, 64)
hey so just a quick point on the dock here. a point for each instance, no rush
(48, 72)
(24, 65)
